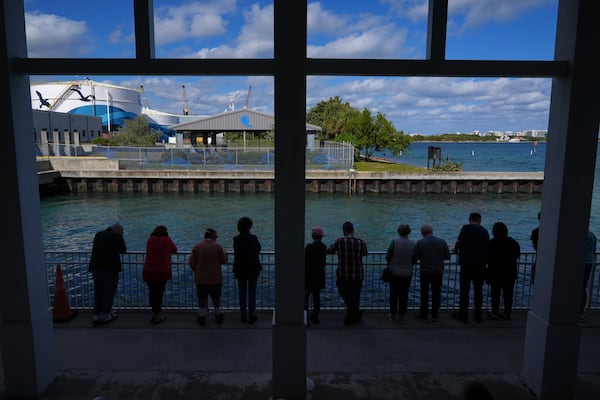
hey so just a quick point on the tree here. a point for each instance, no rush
(136, 132)
(369, 134)
(332, 116)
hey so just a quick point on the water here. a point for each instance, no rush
(480, 156)
(70, 222)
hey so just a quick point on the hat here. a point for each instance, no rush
(317, 230)
(348, 227)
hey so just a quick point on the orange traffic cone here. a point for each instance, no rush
(61, 311)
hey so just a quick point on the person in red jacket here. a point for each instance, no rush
(205, 260)
(157, 269)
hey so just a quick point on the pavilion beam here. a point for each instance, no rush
(552, 337)
(289, 331)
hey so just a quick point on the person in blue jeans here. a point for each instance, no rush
(246, 268)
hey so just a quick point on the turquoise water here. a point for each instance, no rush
(69, 222)
(484, 156)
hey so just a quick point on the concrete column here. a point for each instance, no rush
(67, 139)
(76, 138)
(44, 140)
(289, 331)
(26, 332)
(56, 142)
(552, 338)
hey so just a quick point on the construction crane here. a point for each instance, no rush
(247, 103)
(186, 110)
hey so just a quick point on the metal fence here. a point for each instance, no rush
(180, 294)
(331, 155)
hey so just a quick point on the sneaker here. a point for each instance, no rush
(493, 316)
(393, 318)
(435, 319)
(201, 321)
(314, 319)
(402, 319)
(421, 316)
(460, 317)
(219, 318)
(252, 319)
(96, 320)
(106, 318)
(505, 316)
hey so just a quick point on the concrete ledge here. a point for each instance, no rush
(82, 175)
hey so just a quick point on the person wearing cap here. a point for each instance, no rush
(350, 271)
(105, 265)
(315, 258)
(157, 269)
(206, 259)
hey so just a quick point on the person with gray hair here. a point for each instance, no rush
(401, 259)
(105, 265)
(431, 252)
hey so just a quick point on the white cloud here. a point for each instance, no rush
(468, 14)
(194, 20)
(55, 36)
(365, 44)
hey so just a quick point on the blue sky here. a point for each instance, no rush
(477, 29)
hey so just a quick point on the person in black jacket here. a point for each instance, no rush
(315, 258)
(246, 268)
(501, 273)
(472, 247)
(105, 265)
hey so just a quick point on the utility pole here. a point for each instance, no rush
(186, 110)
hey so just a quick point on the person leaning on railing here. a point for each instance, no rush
(157, 269)
(350, 272)
(431, 252)
(105, 265)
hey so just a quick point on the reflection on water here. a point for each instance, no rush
(70, 222)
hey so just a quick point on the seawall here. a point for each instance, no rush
(99, 176)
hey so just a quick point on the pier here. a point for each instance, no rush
(81, 175)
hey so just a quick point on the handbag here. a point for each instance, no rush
(386, 275)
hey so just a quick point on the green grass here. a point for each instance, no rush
(375, 166)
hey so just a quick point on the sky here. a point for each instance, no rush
(382, 29)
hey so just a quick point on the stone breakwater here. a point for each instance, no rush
(107, 177)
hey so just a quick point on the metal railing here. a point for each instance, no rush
(332, 155)
(180, 294)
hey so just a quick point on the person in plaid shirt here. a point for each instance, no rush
(350, 251)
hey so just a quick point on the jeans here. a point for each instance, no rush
(156, 290)
(433, 281)
(468, 274)
(349, 290)
(316, 299)
(505, 288)
(105, 287)
(247, 288)
(399, 286)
